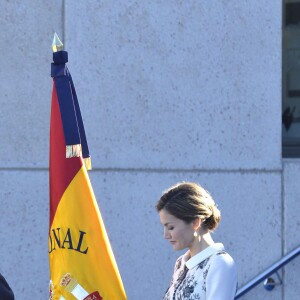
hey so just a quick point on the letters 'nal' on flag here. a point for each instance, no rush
(82, 264)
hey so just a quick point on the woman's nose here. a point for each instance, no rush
(166, 234)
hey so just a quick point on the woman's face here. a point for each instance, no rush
(176, 231)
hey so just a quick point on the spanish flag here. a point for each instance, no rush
(82, 264)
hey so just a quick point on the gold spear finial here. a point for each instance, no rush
(57, 45)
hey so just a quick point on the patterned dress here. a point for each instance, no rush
(209, 275)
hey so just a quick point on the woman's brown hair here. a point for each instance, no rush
(187, 201)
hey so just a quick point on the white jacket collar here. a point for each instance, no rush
(201, 256)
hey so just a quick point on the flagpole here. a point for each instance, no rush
(57, 44)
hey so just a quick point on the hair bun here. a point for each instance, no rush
(213, 221)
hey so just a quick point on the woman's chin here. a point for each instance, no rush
(177, 247)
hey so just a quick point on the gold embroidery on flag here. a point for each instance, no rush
(72, 286)
(51, 290)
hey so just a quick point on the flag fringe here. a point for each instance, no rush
(73, 151)
(88, 163)
(76, 151)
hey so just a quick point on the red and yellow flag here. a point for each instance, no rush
(82, 264)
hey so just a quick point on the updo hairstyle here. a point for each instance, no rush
(187, 201)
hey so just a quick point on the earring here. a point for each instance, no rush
(195, 233)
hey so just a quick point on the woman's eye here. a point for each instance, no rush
(170, 228)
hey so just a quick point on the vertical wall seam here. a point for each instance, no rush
(282, 167)
(63, 15)
(283, 229)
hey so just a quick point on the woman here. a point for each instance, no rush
(205, 272)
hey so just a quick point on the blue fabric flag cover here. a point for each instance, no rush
(76, 143)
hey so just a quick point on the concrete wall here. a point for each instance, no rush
(26, 35)
(169, 91)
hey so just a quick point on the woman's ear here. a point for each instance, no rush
(197, 223)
